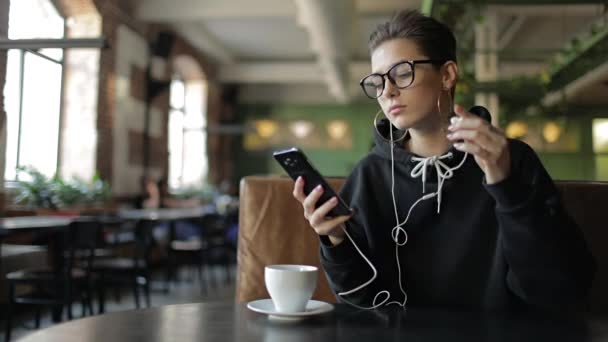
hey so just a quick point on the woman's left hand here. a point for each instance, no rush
(488, 144)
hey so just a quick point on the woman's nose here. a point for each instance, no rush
(390, 90)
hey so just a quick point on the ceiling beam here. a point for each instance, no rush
(329, 26)
(542, 2)
(271, 72)
(309, 94)
(197, 10)
(197, 35)
(286, 72)
(570, 91)
(509, 70)
(386, 6)
(507, 35)
(549, 10)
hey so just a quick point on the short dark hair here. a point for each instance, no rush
(433, 38)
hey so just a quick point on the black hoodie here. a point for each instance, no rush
(503, 246)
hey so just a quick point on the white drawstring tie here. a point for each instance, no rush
(443, 172)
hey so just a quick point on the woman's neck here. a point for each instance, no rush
(427, 143)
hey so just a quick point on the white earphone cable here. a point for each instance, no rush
(419, 169)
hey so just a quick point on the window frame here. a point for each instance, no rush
(61, 62)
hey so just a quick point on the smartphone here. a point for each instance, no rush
(296, 164)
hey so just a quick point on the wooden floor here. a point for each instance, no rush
(186, 290)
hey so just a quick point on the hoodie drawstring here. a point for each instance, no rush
(443, 172)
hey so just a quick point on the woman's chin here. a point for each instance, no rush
(400, 123)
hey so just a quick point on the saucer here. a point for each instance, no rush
(313, 307)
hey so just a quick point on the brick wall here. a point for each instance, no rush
(4, 7)
(70, 8)
(112, 17)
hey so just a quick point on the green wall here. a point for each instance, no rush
(583, 163)
(579, 164)
(564, 166)
(330, 162)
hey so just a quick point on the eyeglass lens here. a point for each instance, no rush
(401, 75)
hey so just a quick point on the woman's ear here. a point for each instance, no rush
(450, 75)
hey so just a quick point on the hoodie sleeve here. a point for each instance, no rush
(346, 269)
(550, 265)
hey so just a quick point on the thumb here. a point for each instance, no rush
(460, 111)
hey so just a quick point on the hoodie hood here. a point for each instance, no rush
(382, 146)
(382, 137)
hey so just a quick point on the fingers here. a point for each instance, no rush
(310, 201)
(317, 217)
(307, 201)
(461, 112)
(329, 226)
(466, 120)
(472, 134)
(485, 140)
(475, 150)
(298, 190)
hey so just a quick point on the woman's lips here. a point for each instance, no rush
(395, 109)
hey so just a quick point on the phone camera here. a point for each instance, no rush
(290, 162)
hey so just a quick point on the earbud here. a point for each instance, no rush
(482, 112)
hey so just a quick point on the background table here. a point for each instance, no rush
(164, 214)
(229, 322)
(11, 225)
(45, 224)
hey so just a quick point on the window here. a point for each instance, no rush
(32, 91)
(187, 135)
(600, 148)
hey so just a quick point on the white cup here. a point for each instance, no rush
(290, 286)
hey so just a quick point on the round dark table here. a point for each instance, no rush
(230, 322)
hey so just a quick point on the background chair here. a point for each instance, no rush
(208, 250)
(72, 254)
(584, 202)
(132, 271)
(186, 252)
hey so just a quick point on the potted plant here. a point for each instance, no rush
(59, 196)
(36, 192)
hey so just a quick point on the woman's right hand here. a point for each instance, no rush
(317, 218)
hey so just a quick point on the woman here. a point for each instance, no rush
(447, 210)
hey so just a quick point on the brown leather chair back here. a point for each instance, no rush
(584, 201)
(272, 230)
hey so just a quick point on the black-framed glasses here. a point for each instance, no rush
(401, 76)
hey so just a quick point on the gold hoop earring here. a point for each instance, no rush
(447, 90)
(380, 135)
